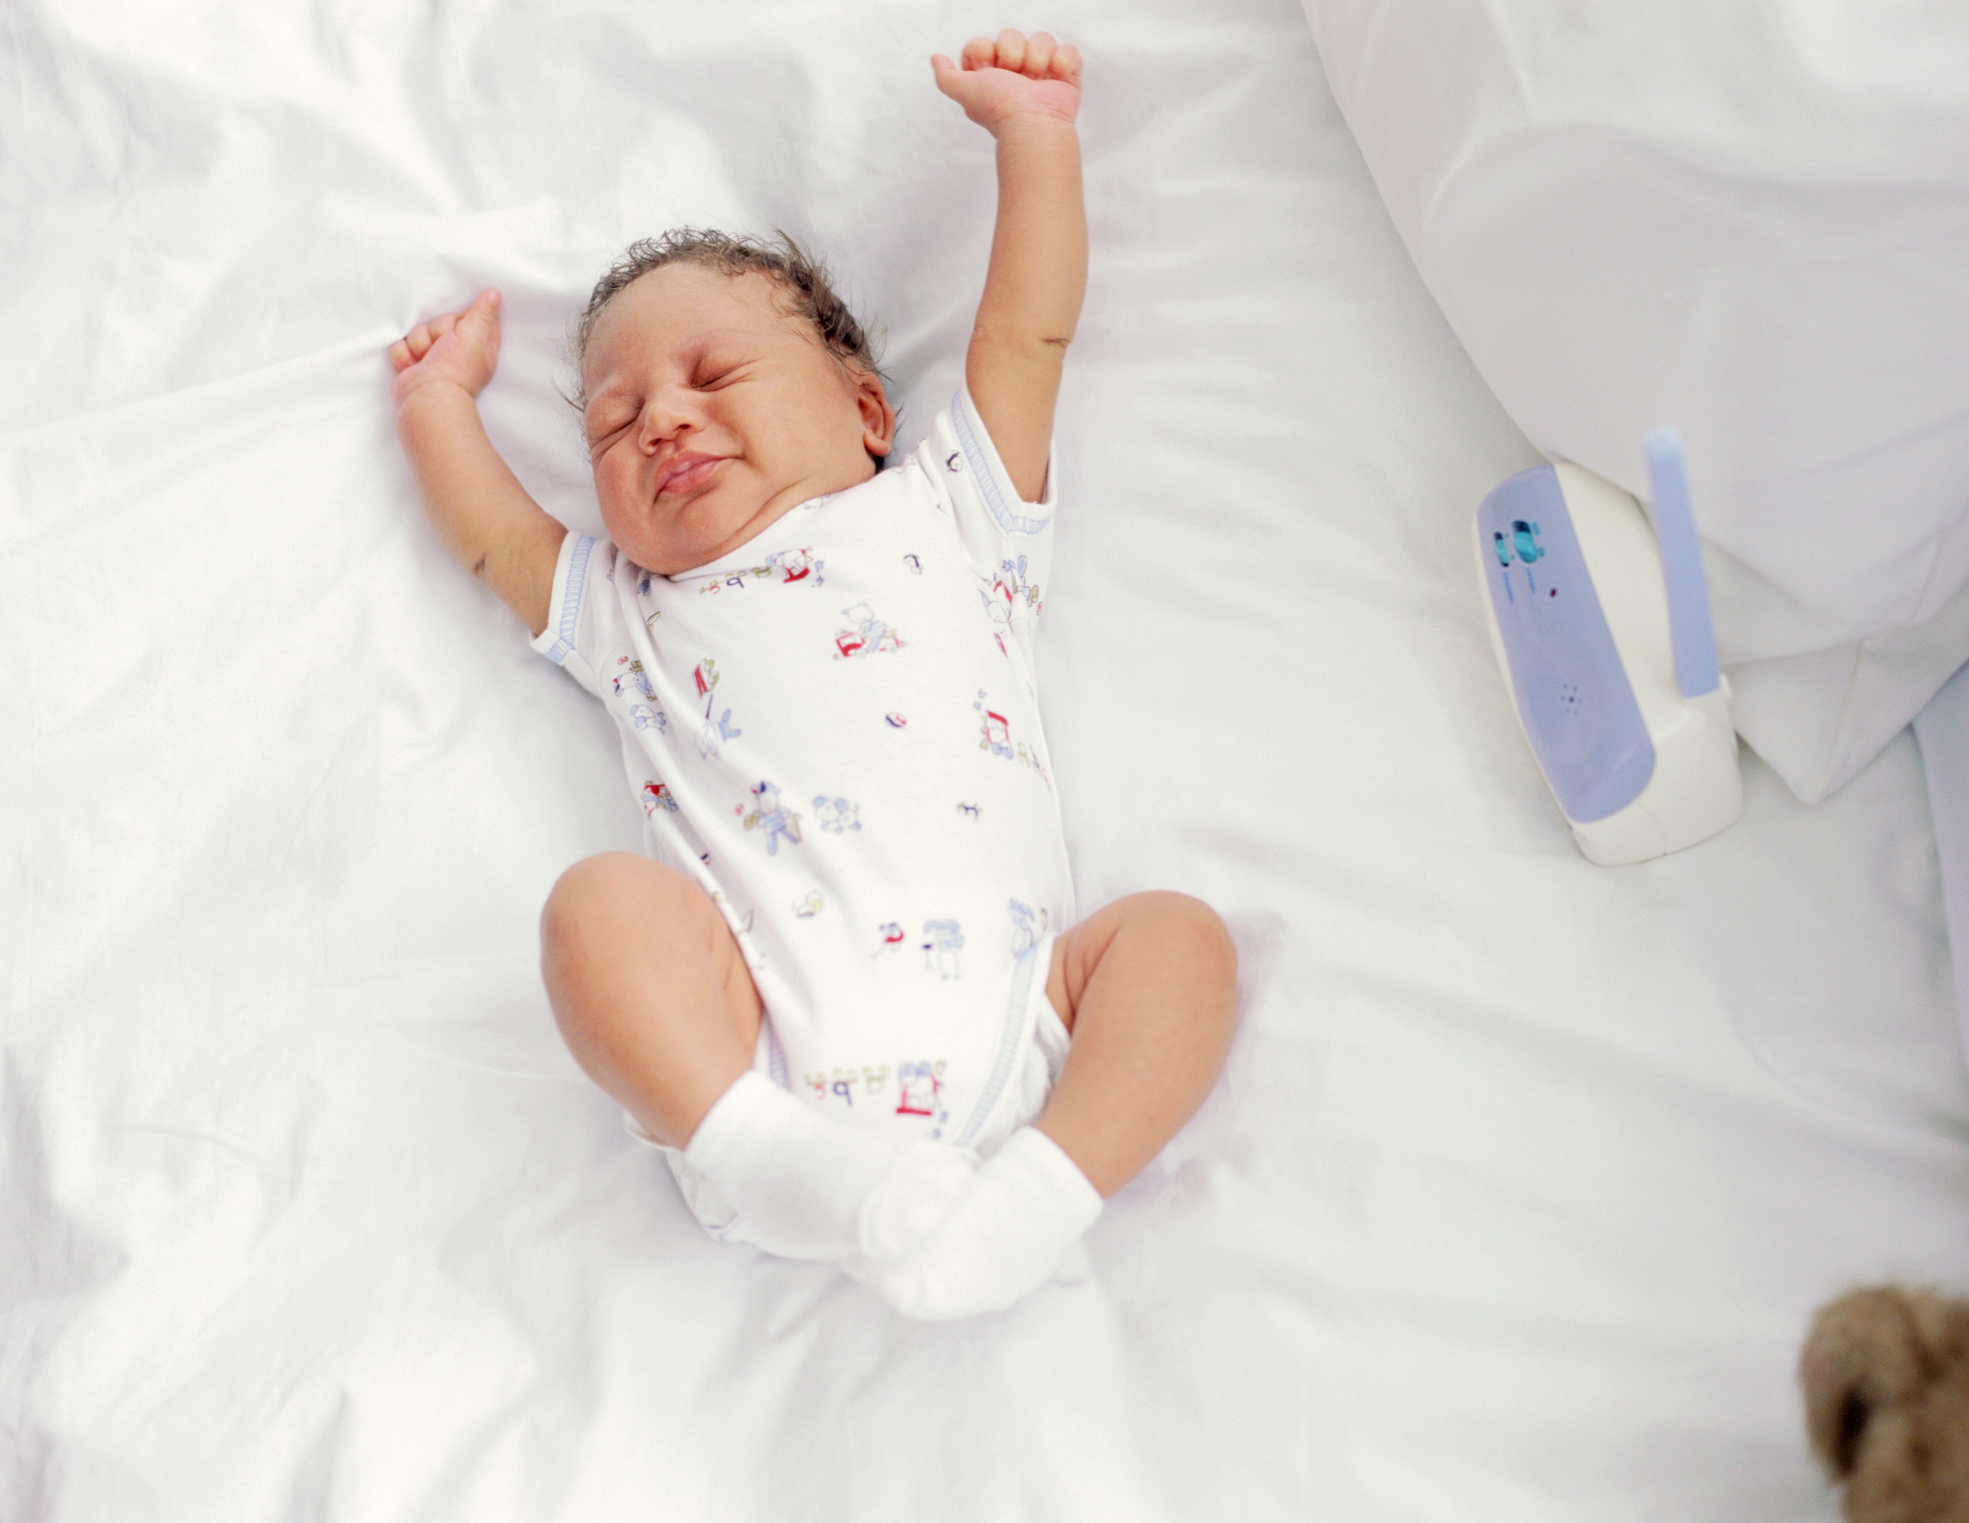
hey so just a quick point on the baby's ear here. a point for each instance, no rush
(878, 418)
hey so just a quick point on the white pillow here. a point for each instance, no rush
(1751, 221)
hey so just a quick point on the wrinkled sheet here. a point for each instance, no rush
(1524, 1175)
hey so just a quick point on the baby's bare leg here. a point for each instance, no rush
(651, 992)
(1148, 987)
(656, 1003)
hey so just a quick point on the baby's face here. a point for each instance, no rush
(711, 413)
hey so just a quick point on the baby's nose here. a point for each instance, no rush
(665, 414)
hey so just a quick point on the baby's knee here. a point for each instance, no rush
(586, 886)
(603, 896)
(1190, 931)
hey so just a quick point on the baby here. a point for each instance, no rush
(852, 1001)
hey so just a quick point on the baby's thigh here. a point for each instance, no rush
(618, 926)
(1136, 943)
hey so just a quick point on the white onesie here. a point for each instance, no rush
(834, 729)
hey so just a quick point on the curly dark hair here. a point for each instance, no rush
(802, 280)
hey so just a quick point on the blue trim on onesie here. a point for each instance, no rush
(982, 473)
(1012, 1040)
(775, 1055)
(569, 594)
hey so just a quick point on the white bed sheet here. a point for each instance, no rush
(1524, 1175)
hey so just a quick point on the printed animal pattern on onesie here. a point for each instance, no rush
(1028, 927)
(712, 736)
(631, 674)
(1008, 591)
(630, 677)
(920, 1092)
(795, 566)
(837, 816)
(769, 815)
(865, 636)
(995, 732)
(943, 940)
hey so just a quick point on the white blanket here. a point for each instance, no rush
(1524, 1175)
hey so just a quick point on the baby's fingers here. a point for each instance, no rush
(482, 316)
(1039, 55)
(418, 342)
(415, 344)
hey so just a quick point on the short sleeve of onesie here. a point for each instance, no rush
(1009, 540)
(578, 625)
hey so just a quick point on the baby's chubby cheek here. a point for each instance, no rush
(626, 516)
(670, 536)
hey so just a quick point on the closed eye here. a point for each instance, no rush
(608, 432)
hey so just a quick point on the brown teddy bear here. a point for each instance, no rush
(1886, 1378)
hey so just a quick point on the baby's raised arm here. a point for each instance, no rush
(477, 505)
(1025, 91)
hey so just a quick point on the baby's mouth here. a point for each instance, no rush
(685, 473)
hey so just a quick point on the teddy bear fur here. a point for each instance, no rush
(1885, 1372)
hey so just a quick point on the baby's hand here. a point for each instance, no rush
(1011, 77)
(460, 347)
